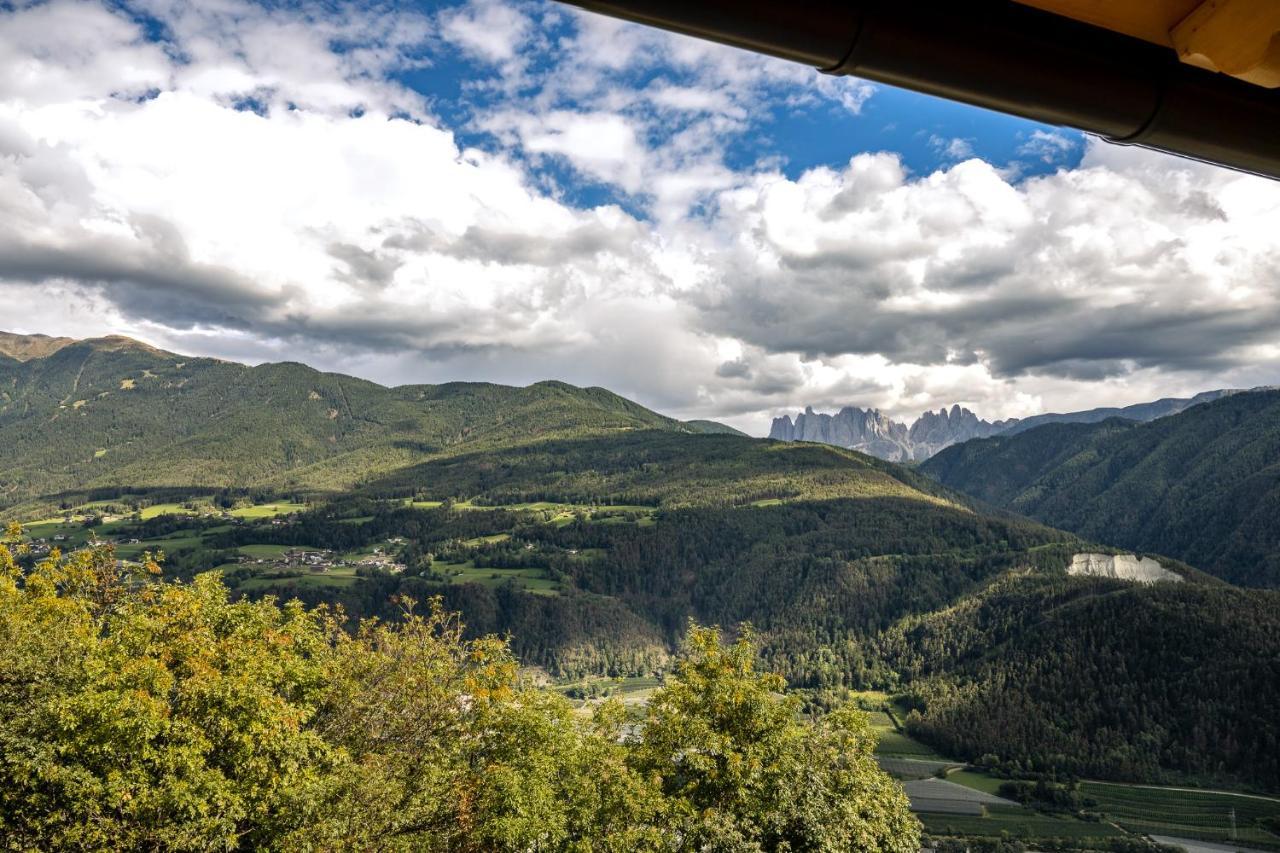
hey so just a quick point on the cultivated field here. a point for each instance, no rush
(1017, 823)
(1199, 815)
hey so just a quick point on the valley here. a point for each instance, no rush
(952, 796)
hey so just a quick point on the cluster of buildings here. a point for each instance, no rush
(322, 560)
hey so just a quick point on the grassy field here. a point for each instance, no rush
(1198, 815)
(531, 579)
(895, 742)
(328, 579)
(177, 542)
(265, 552)
(267, 510)
(976, 781)
(148, 512)
(880, 721)
(48, 528)
(486, 540)
(616, 686)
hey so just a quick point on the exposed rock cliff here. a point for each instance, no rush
(935, 430)
(869, 431)
(865, 430)
(1127, 567)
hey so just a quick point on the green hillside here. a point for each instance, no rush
(712, 428)
(116, 414)
(1202, 486)
(109, 417)
(24, 347)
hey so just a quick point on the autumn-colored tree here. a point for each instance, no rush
(742, 771)
(152, 716)
(137, 714)
(449, 751)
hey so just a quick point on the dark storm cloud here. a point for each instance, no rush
(735, 369)
(1102, 343)
(1015, 333)
(364, 268)
(154, 279)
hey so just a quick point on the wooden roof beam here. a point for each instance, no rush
(1236, 37)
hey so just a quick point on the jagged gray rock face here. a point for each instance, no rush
(865, 430)
(868, 431)
(936, 430)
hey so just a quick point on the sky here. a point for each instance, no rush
(516, 191)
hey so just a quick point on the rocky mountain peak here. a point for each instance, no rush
(870, 431)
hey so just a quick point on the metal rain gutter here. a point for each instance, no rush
(1001, 56)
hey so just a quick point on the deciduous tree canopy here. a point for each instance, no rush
(139, 715)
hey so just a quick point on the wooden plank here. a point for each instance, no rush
(1236, 37)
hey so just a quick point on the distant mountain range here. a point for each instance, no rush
(1141, 412)
(868, 431)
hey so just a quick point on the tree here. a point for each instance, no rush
(158, 717)
(451, 751)
(742, 772)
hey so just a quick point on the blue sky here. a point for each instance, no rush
(516, 191)
(926, 132)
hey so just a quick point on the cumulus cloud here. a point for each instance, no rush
(487, 29)
(1089, 273)
(258, 185)
(1048, 146)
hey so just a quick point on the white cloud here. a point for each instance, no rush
(1134, 265)
(602, 145)
(954, 148)
(1047, 146)
(487, 29)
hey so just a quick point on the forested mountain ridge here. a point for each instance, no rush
(712, 428)
(115, 413)
(111, 416)
(1099, 678)
(23, 347)
(1202, 485)
(1162, 408)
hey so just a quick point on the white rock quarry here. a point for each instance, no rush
(1127, 567)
